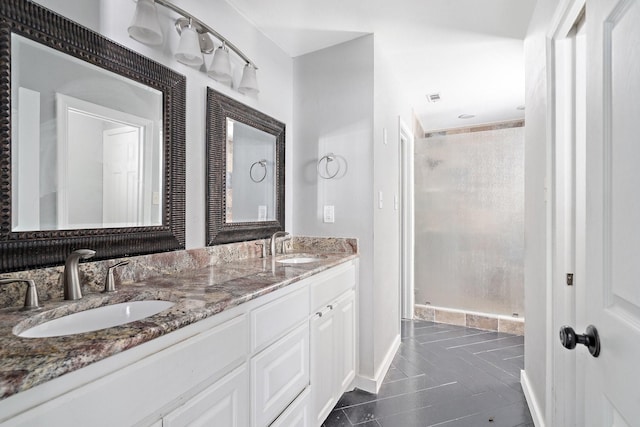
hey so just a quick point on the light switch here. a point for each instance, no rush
(329, 214)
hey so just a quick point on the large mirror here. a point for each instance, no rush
(92, 143)
(245, 171)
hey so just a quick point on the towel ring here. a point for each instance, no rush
(262, 163)
(328, 158)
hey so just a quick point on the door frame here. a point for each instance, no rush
(406, 217)
(561, 394)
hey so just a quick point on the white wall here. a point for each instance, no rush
(536, 253)
(344, 97)
(275, 75)
(333, 112)
(389, 104)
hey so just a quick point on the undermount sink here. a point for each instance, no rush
(299, 260)
(97, 318)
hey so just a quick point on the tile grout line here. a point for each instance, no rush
(452, 338)
(397, 395)
(497, 349)
(474, 343)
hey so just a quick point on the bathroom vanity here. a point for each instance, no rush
(250, 340)
(253, 342)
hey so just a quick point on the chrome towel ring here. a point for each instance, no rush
(262, 163)
(328, 158)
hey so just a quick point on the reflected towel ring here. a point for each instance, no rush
(262, 163)
(328, 158)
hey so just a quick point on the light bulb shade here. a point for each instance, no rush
(145, 26)
(249, 83)
(189, 48)
(220, 68)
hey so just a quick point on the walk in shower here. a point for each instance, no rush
(469, 220)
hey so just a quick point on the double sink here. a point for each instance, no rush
(109, 316)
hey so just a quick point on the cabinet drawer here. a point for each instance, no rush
(278, 375)
(222, 404)
(271, 321)
(298, 414)
(329, 285)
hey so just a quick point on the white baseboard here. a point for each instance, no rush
(534, 407)
(372, 385)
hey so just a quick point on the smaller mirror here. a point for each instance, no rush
(245, 164)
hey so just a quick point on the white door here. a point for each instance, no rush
(121, 180)
(611, 299)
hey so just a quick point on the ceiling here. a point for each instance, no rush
(468, 51)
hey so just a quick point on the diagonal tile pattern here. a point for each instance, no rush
(444, 375)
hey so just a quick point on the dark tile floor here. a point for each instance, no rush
(444, 375)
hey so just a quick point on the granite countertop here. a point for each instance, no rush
(198, 293)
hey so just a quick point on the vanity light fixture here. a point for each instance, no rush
(145, 26)
(194, 41)
(220, 68)
(189, 48)
(249, 83)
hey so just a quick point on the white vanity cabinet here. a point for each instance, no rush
(268, 362)
(333, 339)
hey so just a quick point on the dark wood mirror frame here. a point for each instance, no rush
(219, 108)
(34, 249)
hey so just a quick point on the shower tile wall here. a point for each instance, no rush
(469, 220)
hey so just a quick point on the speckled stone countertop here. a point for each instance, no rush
(199, 293)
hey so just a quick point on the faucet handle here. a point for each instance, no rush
(109, 282)
(31, 297)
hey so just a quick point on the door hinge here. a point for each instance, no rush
(569, 279)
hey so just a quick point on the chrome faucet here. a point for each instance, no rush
(70, 278)
(273, 240)
(31, 298)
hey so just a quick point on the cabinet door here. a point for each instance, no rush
(345, 314)
(323, 374)
(278, 375)
(224, 403)
(298, 414)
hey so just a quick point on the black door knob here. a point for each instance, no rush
(590, 338)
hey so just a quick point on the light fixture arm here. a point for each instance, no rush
(213, 32)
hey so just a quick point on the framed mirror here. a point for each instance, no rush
(92, 144)
(245, 171)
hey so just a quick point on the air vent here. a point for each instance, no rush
(433, 97)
